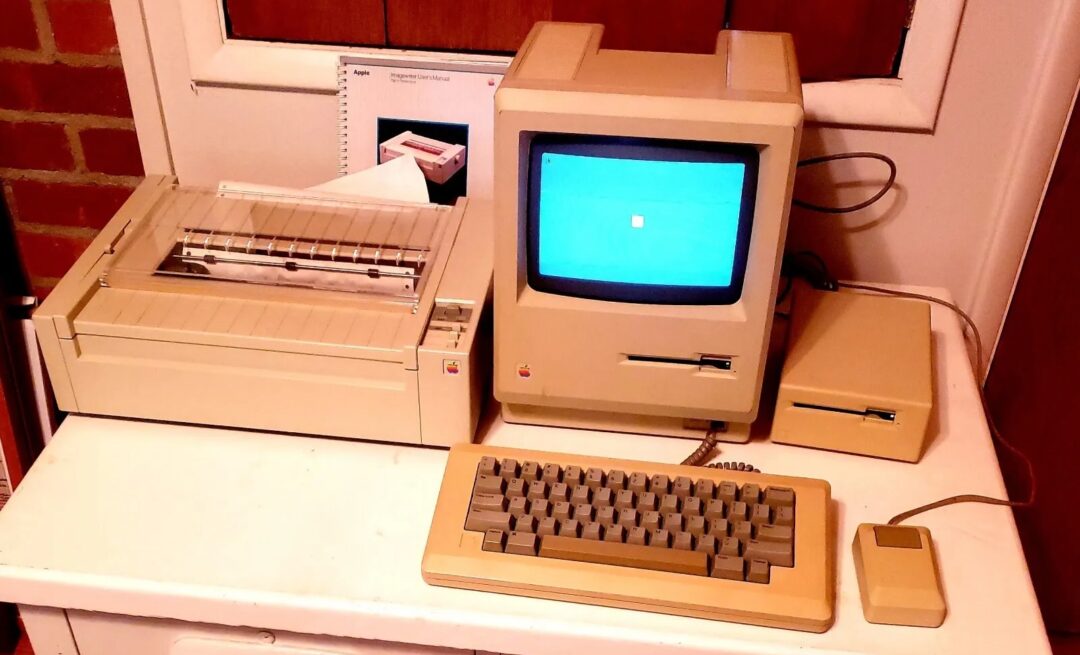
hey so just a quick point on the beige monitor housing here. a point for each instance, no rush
(574, 361)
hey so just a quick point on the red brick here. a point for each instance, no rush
(112, 151)
(84, 26)
(43, 146)
(49, 255)
(64, 88)
(58, 203)
(17, 29)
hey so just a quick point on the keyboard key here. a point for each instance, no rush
(695, 525)
(624, 499)
(489, 502)
(781, 533)
(602, 497)
(785, 516)
(580, 494)
(616, 480)
(638, 483)
(650, 520)
(706, 544)
(480, 521)
(594, 478)
(715, 509)
(777, 553)
(519, 506)
(583, 512)
(490, 484)
(682, 541)
(738, 511)
(509, 469)
(759, 572)
(530, 471)
(628, 518)
(672, 522)
(547, 526)
(682, 486)
(494, 541)
(521, 543)
(526, 523)
(742, 530)
(669, 503)
(561, 511)
(637, 536)
(515, 487)
(691, 506)
(660, 484)
(750, 493)
(646, 502)
(779, 497)
(570, 528)
(615, 533)
(487, 466)
(558, 492)
(573, 476)
(660, 539)
(605, 516)
(537, 489)
(760, 514)
(592, 530)
(726, 491)
(704, 489)
(551, 474)
(717, 527)
(730, 546)
(641, 557)
(729, 568)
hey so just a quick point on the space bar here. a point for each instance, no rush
(619, 554)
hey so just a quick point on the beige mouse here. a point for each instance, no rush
(898, 577)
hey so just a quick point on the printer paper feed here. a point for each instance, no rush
(439, 114)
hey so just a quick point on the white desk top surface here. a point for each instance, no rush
(325, 536)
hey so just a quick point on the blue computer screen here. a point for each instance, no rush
(639, 221)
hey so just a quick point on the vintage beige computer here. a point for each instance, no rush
(640, 214)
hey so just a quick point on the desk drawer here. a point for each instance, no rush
(107, 634)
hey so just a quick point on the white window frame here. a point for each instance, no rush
(908, 102)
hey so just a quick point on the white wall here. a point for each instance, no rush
(959, 218)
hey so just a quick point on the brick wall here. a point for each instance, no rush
(68, 152)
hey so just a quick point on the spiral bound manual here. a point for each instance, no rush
(389, 107)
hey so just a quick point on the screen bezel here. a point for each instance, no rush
(649, 149)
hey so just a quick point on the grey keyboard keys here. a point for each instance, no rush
(760, 514)
(526, 523)
(558, 492)
(707, 544)
(583, 512)
(480, 521)
(494, 541)
(509, 469)
(646, 502)
(515, 487)
(628, 518)
(777, 553)
(669, 503)
(714, 509)
(547, 526)
(616, 480)
(728, 567)
(519, 506)
(637, 536)
(730, 546)
(785, 516)
(489, 484)
(605, 516)
(521, 543)
(650, 521)
(717, 527)
(726, 491)
(759, 572)
(682, 541)
(660, 484)
(695, 525)
(487, 466)
(682, 486)
(779, 497)
(704, 489)
(537, 489)
(781, 533)
(594, 478)
(551, 474)
(660, 539)
(540, 508)
(530, 471)
(624, 499)
(615, 533)
(591, 530)
(602, 497)
(738, 511)
(638, 483)
(573, 476)
(560, 511)
(691, 506)
(580, 494)
(750, 493)
(640, 557)
(742, 530)
(570, 528)
(489, 502)
(672, 522)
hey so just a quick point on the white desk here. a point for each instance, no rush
(314, 536)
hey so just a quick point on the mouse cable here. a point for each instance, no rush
(824, 209)
(994, 432)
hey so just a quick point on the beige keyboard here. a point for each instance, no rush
(710, 543)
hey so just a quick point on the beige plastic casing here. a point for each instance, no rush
(576, 349)
(797, 598)
(272, 358)
(898, 586)
(856, 351)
